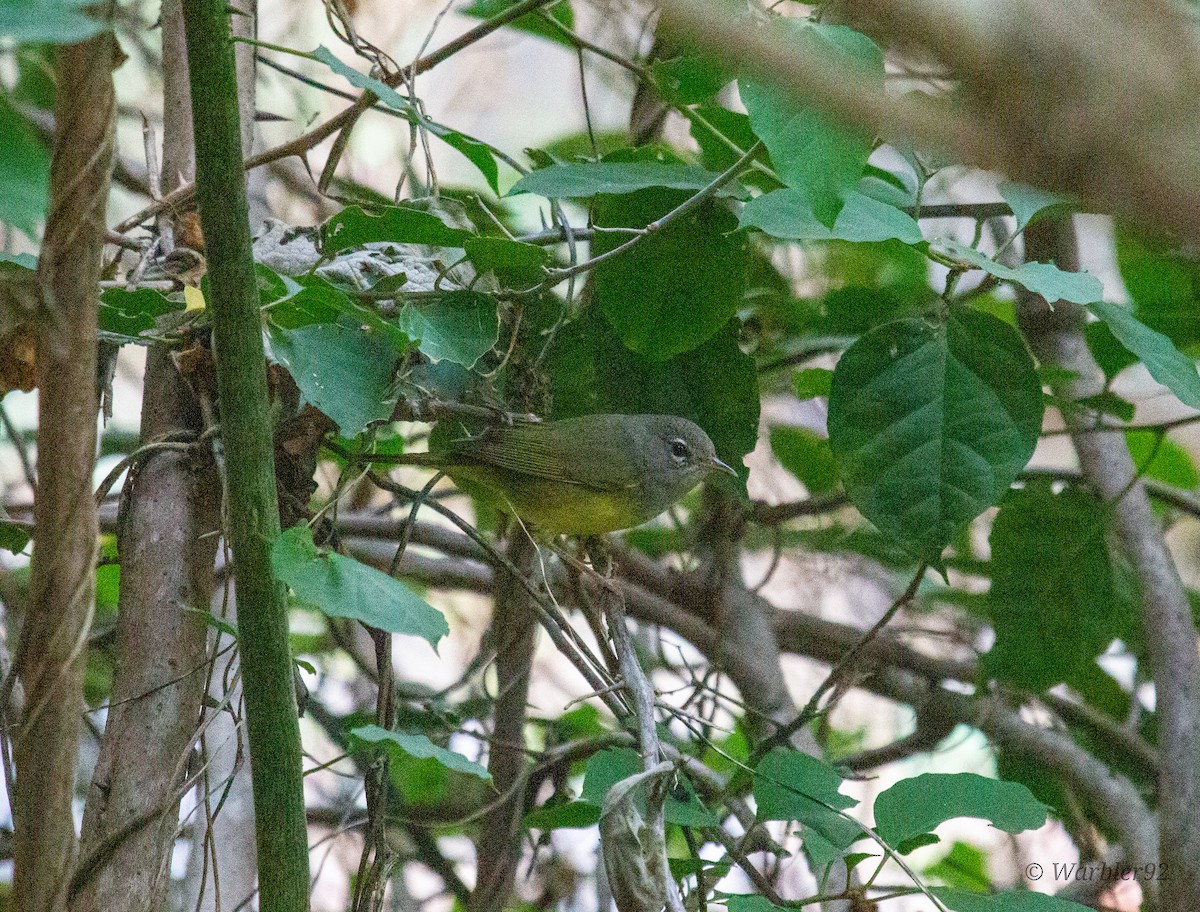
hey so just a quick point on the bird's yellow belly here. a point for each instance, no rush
(553, 506)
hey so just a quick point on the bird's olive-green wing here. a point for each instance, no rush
(598, 454)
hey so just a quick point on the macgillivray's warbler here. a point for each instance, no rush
(580, 476)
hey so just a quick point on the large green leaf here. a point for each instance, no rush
(1050, 573)
(930, 424)
(49, 21)
(789, 785)
(715, 385)
(419, 747)
(788, 214)
(24, 169)
(340, 586)
(1043, 279)
(580, 179)
(705, 260)
(352, 227)
(341, 369)
(810, 151)
(915, 806)
(460, 326)
(130, 313)
(1166, 364)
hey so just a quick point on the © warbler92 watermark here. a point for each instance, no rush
(1095, 871)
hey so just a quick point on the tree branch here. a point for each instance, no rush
(1056, 337)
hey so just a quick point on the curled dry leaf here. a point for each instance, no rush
(633, 845)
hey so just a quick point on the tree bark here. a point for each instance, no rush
(513, 626)
(167, 546)
(52, 651)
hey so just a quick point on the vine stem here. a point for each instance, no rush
(251, 508)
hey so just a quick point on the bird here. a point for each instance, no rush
(581, 476)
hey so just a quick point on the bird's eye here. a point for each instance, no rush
(679, 449)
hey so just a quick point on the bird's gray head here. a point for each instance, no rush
(679, 449)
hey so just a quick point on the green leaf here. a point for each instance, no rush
(916, 806)
(569, 816)
(342, 370)
(1164, 459)
(964, 867)
(130, 313)
(605, 769)
(715, 385)
(812, 383)
(19, 263)
(532, 23)
(460, 326)
(929, 425)
(24, 167)
(1029, 203)
(1110, 355)
(687, 867)
(419, 747)
(820, 851)
(789, 785)
(750, 902)
(788, 214)
(1007, 901)
(706, 263)
(13, 536)
(476, 151)
(49, 21)
(1163, 281)
(382, 90)
(1166, 364)
(1107, 403)
(917, 842)
(714, 129)
(1050, 573)
(569, 180)
(690, 79)
(810, 151)
(504, 255)
(352, 227)
(684, 808)
(342, 587)
(807, 456)
(1041, 278)
(219, 624)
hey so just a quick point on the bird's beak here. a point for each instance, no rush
(724, 467)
